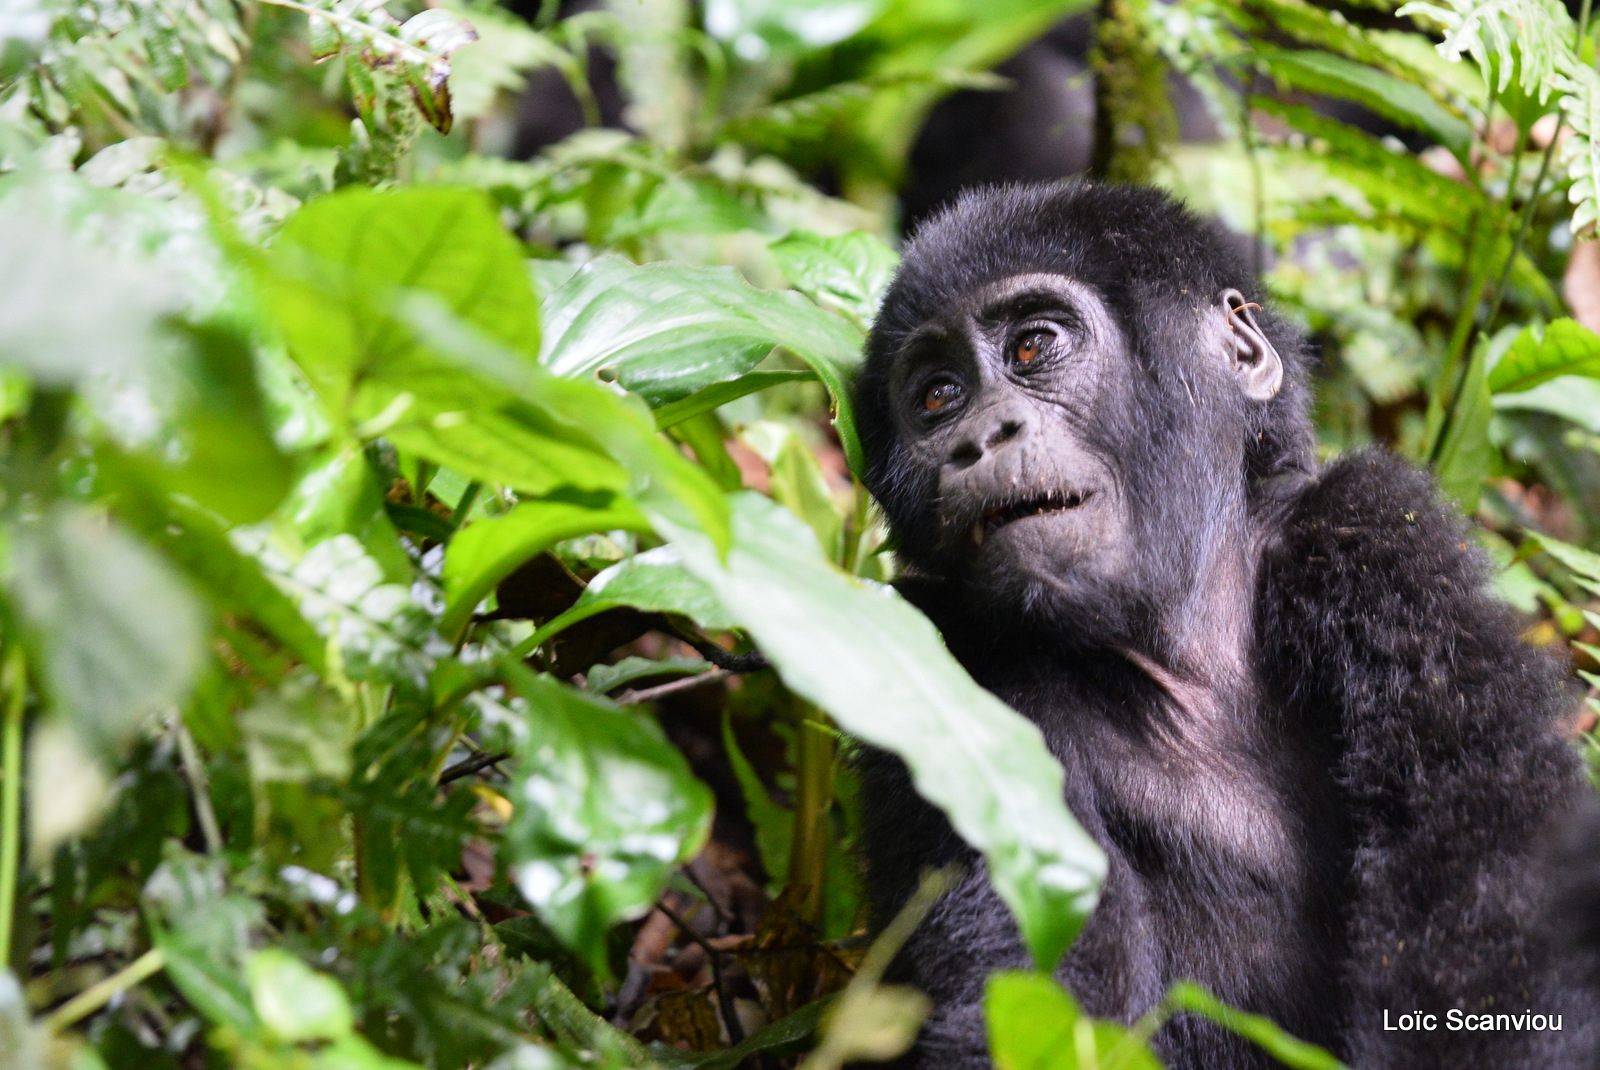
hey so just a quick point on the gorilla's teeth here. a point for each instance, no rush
(977, 533)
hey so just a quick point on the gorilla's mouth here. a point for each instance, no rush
(1059, 501)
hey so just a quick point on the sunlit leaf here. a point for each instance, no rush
(1565, 347)
(666, 331)
(879, 667)
(295, 1001)
(849, 272)
(1035, 1024)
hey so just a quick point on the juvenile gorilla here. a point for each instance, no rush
(1314, 749)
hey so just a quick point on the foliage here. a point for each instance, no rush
(435, 600)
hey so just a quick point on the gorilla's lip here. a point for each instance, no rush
(1056, 501)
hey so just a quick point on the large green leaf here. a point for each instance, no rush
(1566, 347)
(120, 633)
(666, 331)
(1034, 1024)
(487, 551)
(413, 316)
(605, 808)
(879, 667)
(849, 272)
(1383, 93)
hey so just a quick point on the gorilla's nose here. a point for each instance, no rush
(988, 431)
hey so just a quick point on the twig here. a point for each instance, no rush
(688, 683)
(475, 764)
(194, 769)
(99, 994)
(714, 956)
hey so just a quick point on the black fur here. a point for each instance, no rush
(1325, 814)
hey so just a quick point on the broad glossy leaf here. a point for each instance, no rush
(605, 808)
(413, 315)
(1565, 347)
(666, 331)
(1034, 1024)
(487, 551)
(120, 633)
(879, 667)
(849, 272)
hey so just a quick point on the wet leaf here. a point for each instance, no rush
(605, 808)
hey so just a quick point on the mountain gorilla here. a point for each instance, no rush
(1311, 744)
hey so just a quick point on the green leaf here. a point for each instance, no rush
(1586, 563)
(1383, 93)
(1034, 1024)
(195, 541)
(774, 825)
(848, 273)
(1288, 1050)
(719, 394)
(666, 331)
(487, 551)
(655, 581)
(1565, 347)
(68, 310)
(878, 666)
(413, 315)
(1466, 455)
(295, 1001)
(604, 679)
(90, 593)
(605, 808)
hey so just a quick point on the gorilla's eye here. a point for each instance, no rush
(941, 394)
(1030, 345)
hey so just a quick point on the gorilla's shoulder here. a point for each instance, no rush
(1376, 596)
(1373, 526)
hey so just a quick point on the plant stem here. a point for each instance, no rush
(13, 679)
(195, 770)
(99, 994)
(808, 851)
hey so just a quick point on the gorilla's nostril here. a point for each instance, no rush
(1007, 430)
(966, 454)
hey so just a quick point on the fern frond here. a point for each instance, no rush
(1536, 32)
(1580, 88)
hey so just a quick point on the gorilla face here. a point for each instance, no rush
(1037, 435)
(1003, 399)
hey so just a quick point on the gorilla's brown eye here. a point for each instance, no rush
(939, 395)
(1030, 346)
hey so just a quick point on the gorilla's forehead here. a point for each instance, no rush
(1128, 244)
(1004, 300)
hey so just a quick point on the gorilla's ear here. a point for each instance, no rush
(1255, 363)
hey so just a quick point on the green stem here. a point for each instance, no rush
(808, 850)
(1534, 196)
(14, 681)
(99, 994)
(195, 769)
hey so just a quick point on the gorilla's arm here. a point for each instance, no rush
(1376, 625)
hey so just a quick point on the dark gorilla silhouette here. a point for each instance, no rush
(1315, 751)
